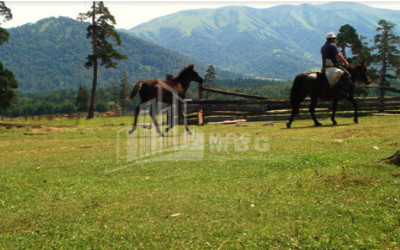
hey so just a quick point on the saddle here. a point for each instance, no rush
(332, 73)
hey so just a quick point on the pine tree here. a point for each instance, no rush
(388, 54)
(100, 30)
(209, 77)
(114, 96)
(349, 38)
(124, 93)
(364, 53)
(6, 15)
(8, 83)
(82, 100)
(5, 12)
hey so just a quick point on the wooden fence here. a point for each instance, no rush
(259, 108)
(264, 109)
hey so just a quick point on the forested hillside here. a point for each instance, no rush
(50, 55)
(276, 42)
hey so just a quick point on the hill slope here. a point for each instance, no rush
(50, 55)
(275, 42)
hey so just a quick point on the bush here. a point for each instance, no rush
(101, 107)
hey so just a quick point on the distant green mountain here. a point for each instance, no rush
(276, 42)
(50, 55)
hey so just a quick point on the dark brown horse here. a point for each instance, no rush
(167, 91)
(316, 86)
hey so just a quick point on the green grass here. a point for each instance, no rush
(317, 187)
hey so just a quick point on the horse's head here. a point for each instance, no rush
(192, 74)
(360, 73)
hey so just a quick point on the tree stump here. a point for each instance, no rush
(394, 159)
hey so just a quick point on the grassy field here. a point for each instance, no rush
(314, 187)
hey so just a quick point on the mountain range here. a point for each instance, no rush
(276, 42)
(50, 55)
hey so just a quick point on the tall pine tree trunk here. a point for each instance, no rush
(93, 96)
(382, 90)
(94, 50)
(383, 85)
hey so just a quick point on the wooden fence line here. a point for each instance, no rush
(264, 109)
(383, 88)
(259, 109)
(218, 91)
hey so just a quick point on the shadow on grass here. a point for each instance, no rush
(313, 126)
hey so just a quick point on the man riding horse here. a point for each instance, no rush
(334, 83)
(331, 59)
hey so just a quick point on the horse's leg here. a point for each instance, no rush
(334, 108)
(314, 101)
(174, 110)
(170, 120)
(297, 94)
(153, 117)
(137, 111)
(295, 111)
(182, 113)
(352, 101)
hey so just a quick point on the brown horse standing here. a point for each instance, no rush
(153, 89)
(315, 85)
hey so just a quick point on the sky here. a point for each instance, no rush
(129, 14)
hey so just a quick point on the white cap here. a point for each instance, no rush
(330, 35)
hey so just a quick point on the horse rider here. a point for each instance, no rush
(330, 53)
(331, 58)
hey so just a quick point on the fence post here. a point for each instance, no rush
(200, 113)
(382, 101)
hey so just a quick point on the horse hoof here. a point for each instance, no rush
(131, 131)
(318, 124)
(355, 121)
(189, 132)
(288, 125)
(166, 130)
(334, 123)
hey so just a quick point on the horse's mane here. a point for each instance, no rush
(182, 72)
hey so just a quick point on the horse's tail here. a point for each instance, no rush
(296, 93)
(136, 88)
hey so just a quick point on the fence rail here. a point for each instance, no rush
(264, 109)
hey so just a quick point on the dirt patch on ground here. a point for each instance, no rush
(46, 130)
(18, 125)
(36, 129)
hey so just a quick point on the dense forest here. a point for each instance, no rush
(50, 55)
